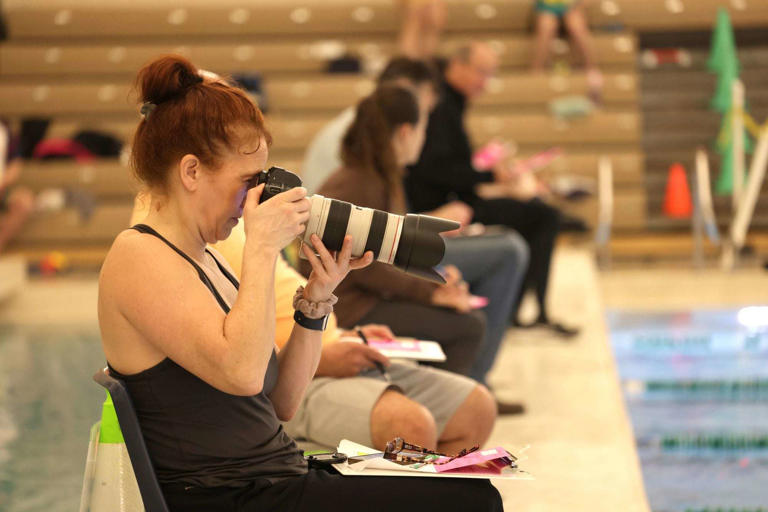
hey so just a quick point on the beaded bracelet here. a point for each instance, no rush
(313, 309)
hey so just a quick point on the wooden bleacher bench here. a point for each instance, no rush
(330, 93)
(508, 91)
(525, 89)
(105, 179)
(128, 18)
(66, 227)
(56, 99)
(630, 210)
(244, 54)
(537, 129)
(75, 62)
(294, 133)
(131, 18)
(628, 166)
(684, 14)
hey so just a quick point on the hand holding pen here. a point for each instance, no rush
(378, 364)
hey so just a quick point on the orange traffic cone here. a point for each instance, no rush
(677, 198)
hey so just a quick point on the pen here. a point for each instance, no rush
(379, 366)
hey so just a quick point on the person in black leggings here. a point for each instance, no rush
(444, 173)
(195, 346)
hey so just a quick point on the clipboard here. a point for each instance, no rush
(365, 461)
(404, 348)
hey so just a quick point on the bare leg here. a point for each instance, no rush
(546, 28)
(471, 424)
(423, 22)
(396, 415)
(20, 204)
(576, 22)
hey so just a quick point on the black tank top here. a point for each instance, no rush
(199, 436)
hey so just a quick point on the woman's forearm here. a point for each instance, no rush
(298, 361)
(249, 327)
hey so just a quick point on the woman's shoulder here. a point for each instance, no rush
(129, 243)
(136, 256)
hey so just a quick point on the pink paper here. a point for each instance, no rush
(499, 456)
(489, 155)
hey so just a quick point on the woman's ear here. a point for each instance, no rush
(406, 130)
(403, 134)
(400, 142)
(190, 172)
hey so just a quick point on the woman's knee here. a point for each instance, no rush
(516, 249)
(470, 326)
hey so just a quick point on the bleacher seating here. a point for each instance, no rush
(163, 18)
(106, 179)
(302, 54)
(304, 94)
(75, 61)
(675, 14)
(534, 130)
(66, 228)
(677, 119)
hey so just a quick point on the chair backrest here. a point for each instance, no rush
(134, 442)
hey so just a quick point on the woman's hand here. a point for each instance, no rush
(348, 359)
(330, 269)
(454, 293)
(456, 211)
(374, 332)
(274, 223)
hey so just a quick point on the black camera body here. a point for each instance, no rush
(276, 180)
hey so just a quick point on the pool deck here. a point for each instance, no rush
(13, 276)
(582, 450)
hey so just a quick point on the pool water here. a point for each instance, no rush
(696, 388)
(48, 403)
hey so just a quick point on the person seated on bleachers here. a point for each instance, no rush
(572, 13)
(196, 347)
(16, 202)
(444, 173)
(385, 136)
(382, 139)
(492, 265)
(323, 155)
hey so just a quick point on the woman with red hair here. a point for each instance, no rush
(196, 347)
